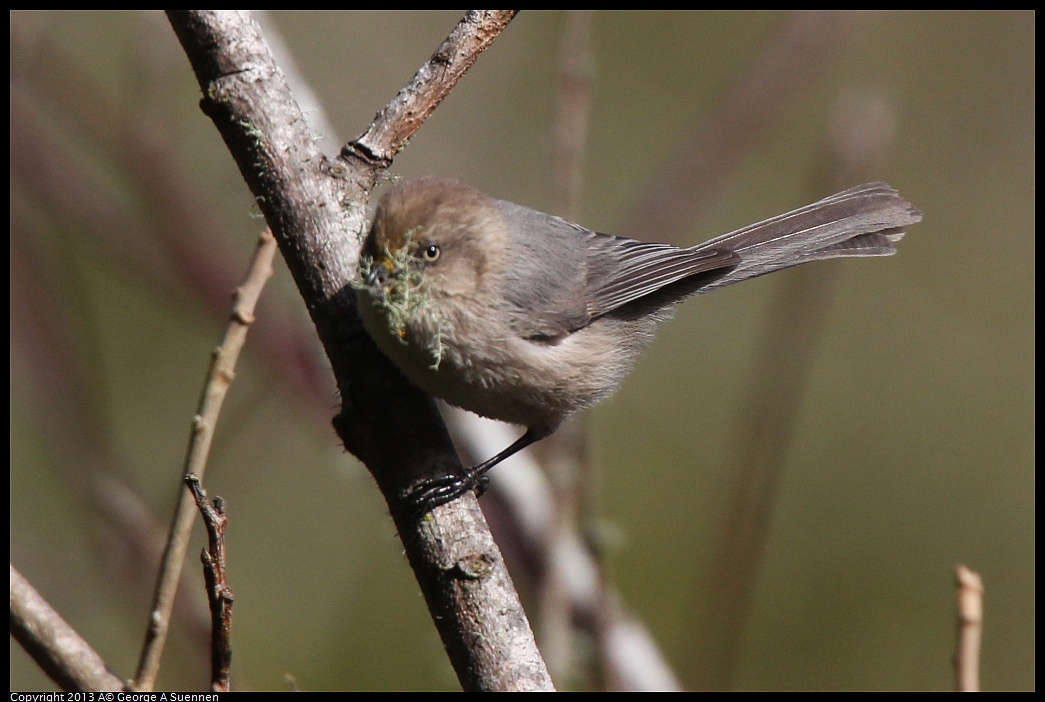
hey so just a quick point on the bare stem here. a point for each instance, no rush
(970, 628)
(219, 377)
(408, 110)
(219, 594)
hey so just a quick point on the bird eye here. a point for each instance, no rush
(430, 253)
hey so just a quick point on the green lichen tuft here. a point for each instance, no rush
(403, 296)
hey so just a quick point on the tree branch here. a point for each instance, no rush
(54, 645)
(395, 124)
(317, 210)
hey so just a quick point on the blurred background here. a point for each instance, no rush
(877, 414)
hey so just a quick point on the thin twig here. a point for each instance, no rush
(54, 645)
(970, 629)
(219, 377)
(404, 115)
(219, 594)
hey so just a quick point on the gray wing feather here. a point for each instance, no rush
(624, 270)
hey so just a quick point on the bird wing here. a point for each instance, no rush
(621, 271)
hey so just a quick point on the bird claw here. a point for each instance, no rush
(434, 492)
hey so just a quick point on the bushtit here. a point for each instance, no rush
(523, 317)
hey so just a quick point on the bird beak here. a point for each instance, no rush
(377, 274)
(382, 273)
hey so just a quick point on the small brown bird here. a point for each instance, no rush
(523, 317)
